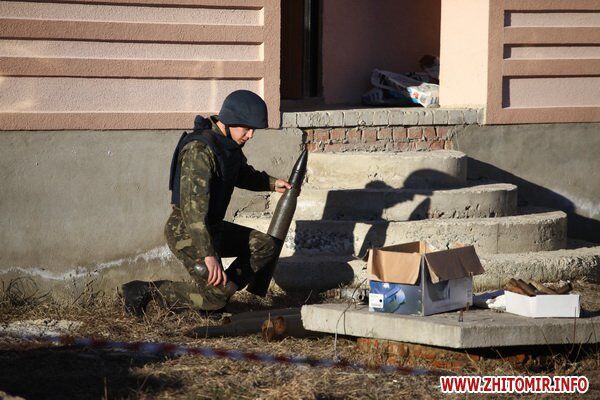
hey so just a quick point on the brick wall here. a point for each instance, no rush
(383, 138)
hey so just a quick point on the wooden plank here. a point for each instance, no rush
(108, 68)
(104, 121)
(551, 5)
(546, 67)
(236, 4)
(544, 35)
(127, 31)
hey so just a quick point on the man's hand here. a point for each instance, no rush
(281, 186)
(216, 274)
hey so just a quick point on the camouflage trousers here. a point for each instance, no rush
(253, 249)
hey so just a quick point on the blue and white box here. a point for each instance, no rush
(415, 279)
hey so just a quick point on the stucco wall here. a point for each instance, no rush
(553, 165)
(135, 65)
(464, 53)
(359, 36)
(74, 202)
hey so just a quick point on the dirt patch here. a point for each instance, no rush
(37, 370)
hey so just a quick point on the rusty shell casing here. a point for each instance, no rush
(280, 224)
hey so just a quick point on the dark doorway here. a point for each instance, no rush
(300, 49)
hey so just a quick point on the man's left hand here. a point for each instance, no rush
(281, 186)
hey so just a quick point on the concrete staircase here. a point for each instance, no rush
(353, 201)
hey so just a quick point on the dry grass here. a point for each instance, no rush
(38, 371)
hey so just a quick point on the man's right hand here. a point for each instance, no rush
(216, 274)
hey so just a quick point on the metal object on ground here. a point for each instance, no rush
(280, 224)
(283, 326)
(566, 288)
(512, 287)
(518, 286)
(243, 324)
(359, 295)
(542, 288)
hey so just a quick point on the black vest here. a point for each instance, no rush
(229, 158)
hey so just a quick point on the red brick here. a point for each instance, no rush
(399, 133)
(442, 131)
(369, 134)
(310, 135)
(312, 147)
(429, 132)
(437, 145)
(419, 145)
(415, 132)
(353, 136)
(322, 135)
(402, 146)
(384, 134)
(338, 134)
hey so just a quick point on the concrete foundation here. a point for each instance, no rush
(475, 201)
(535, 230)
(392, 170)
(554, 165)
(327, 272)
(76, 205)
(479, 328)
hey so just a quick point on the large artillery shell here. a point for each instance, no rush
(280, 224)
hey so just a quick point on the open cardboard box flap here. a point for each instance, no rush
(401, 263)
(453, 264)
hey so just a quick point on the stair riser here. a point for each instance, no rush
(296, 273)
(488, 236)
(402, 206)
(360, 170)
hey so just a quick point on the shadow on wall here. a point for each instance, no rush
(531, 194)
(348, 208)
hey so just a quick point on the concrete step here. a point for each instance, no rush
(323, 272)
(365, 170)
(474, 201)
(543, 266)
(534, 230)
(478, 328)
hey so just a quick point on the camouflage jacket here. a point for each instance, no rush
(199, 173)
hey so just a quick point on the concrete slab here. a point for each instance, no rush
(397, 116)
(480, 328)
(535, 230)
(473, 201)
(358, 170)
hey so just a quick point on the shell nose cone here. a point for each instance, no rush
(299, 170)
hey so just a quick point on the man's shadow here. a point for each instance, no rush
(377, 204)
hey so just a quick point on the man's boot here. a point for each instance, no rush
(137, 295)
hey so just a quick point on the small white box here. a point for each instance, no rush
(543, 306)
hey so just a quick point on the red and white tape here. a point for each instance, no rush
(236, 355)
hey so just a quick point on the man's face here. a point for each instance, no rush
(241, 134)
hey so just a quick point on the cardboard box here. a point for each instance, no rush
(414, 278)
(543, 305)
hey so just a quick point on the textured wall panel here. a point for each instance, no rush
(133, 64)
(102, 95)
(89, 12)
(126, 51)
(544, 62)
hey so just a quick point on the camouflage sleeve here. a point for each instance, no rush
(251, 179)
(197, 168)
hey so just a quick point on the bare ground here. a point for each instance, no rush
(38, 370)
